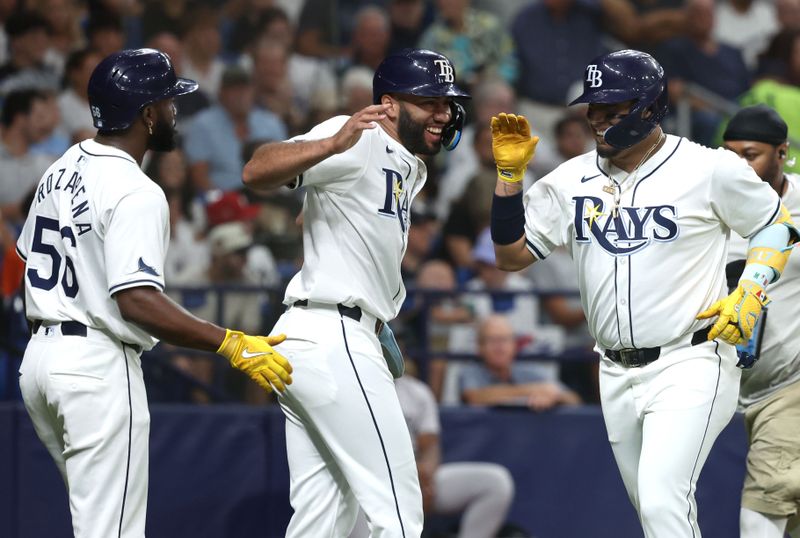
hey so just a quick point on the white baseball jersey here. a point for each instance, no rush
(97, 225)
(645, 274)
(357, 215)
(780, 348)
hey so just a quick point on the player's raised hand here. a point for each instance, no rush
(512, 146)
(738, 313)
(255, 356)
(350, 132)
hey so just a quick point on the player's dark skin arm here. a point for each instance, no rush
(162, 317)
(276, 164)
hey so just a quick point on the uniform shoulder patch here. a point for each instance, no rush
(144, 268)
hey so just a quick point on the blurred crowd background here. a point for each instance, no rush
(270, 69)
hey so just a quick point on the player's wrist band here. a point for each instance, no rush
(508, 219)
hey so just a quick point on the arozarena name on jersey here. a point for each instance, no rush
(630, 231)
(79, 205)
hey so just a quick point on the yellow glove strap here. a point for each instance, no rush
(769, 257)
(510, 176)
(231, 344)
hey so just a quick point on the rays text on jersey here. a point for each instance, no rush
(633, 229)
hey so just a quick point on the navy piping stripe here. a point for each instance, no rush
(636, 187)
(633, 202)
(630, 303)
(21, 255)
(597, 164)
(299, 181)
(703, 440)
(130, 436)
(141, 280)
(104, 155)
(534, 249)
(616, 304)
(377, 430)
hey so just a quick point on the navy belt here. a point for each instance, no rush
(68, 328)
(352, 312)
(633, 358)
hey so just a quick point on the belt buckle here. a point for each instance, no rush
(623, 355)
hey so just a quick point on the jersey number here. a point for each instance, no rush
(68, 280)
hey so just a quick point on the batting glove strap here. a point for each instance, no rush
(737, 313)
(512, 146)
(255, 356)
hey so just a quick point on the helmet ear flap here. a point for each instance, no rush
(451, 133)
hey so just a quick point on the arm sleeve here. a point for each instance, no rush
(544, 219)
(136, 239)
(739, 197)
(337, 172)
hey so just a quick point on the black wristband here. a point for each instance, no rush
(508, 219)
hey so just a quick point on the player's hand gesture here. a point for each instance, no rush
(350, 132)
(512, 146)
(738, 313)
(255, 356)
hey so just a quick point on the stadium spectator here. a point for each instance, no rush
(73, 101)
(215, 139)
(421, 237)
(324, 28)
(371, 34)
(572, 31)
(28, 42)
(501, 380)
(472, 211)
(700, 59)
(788, 13)
(105, 32)
(202, 45)
(356, 89)
(481, 492)
(474, 40)
(489, 99)
(273, 88)
(408, 20)
(313, 83)
(746, 25)
(188, 104)
(505, 293)
(163, 17)
(54, 137)
(25, 121)
(63, 18)
(573, 137)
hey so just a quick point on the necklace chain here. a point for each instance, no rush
(616, 187)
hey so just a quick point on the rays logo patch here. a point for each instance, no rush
(144, 268)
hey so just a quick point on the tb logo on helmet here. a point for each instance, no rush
(445, 71)
(594, 76)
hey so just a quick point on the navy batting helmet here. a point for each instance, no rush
(627, 75)
(126, 81)
(427, 73)
(416, 72)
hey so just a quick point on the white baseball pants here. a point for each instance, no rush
(346, 438)
(662, 420)
(87, 400)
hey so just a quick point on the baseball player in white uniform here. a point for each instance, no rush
(646, 218)
(347, 442)
(94, 245)
(770, 390)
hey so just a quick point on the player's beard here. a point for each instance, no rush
(606, 150)
(412, 135)
(164, 137)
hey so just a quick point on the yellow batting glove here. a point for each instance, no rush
(512, 146)
(255, 356)
(738, 313)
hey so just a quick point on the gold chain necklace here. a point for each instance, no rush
(615, 188)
